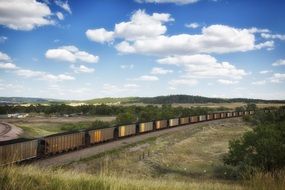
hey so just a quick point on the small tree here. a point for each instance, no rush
(127, 117)
(251, 106)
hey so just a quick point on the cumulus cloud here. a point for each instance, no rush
(24, 14)
(7, 66)
(268, 44)
(227, 82)
(71, 54)
(100, 35)
(146, 34)
(27, 73)
(147, 78)
(279, 62)
(214, 39)
(178, 2)
(277, 78)
(273, 36)
(64, 5)
(160, 71)
(60, 16)
(82, 69)
(4, 57)
(203, 66)
(140, 26)
(192, 25)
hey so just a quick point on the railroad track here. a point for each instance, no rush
(6, 129)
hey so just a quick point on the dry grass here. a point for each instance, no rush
(265, 181)
(32, 178)
(191, 154)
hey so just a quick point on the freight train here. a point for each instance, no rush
(23, 150)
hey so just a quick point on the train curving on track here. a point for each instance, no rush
(22, 150)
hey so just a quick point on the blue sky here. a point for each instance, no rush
(117, 48)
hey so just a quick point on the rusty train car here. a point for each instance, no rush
(101, 135)
(13, 152)
(161, 124)
(184, 120)
(145, 127)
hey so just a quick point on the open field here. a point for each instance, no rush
(189, 159)
(193, 153)
(232, 105)
(42, 126)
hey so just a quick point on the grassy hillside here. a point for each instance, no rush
(33, 178)
(161, 168)
(195, 153)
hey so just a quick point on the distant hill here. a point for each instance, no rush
(146, 100)
(27, 100)
(178, 99)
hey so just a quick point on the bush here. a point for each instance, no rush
(263, 148)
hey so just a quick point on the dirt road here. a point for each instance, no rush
(9, 132)
(97, 149)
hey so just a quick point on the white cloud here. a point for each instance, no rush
(277, 78)
(7, 66)
(214, 39)
(64, 5)
(268, 44)
(279, 62)
(4, 57)
(82, 69)
(43, 75)
(259, 30)
(3, 39)
(27, 73)
(187, 82)
(147, 78)
(142, 26)
(273, 36)
(60, 16)
(146, 34)
(71, 54)
(24, 14)
(192, 25)
(204, 66)
(160, 71)
(99, 35)
(265, 72)
(131, 66)
(227, 82)
(178, 2)
(261, 82)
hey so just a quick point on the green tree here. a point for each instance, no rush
(262, 148)
(251, 106)
(125, 118)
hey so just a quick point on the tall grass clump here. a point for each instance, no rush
(34, 178)
(266, 180)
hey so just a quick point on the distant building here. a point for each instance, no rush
(18, 115)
